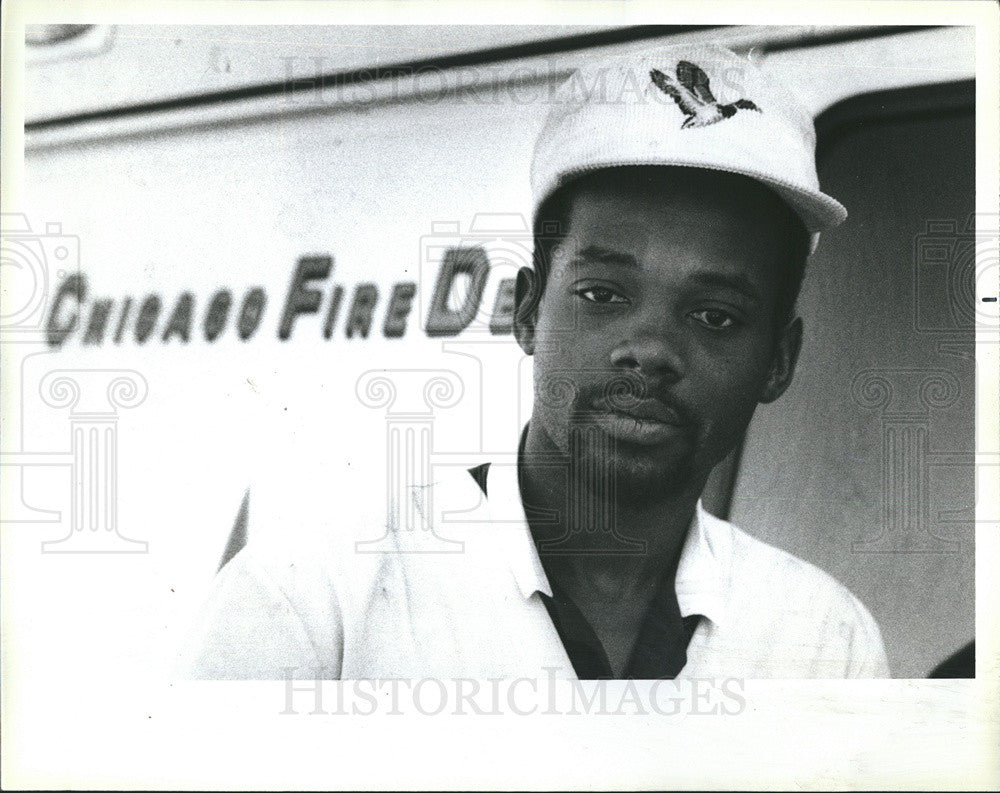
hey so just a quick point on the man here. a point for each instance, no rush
(672, 229)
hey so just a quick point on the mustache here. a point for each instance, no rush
(623, 392)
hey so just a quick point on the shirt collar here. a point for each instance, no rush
(702, 571)
(506, 510)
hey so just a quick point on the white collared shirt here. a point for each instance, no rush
(454, 593)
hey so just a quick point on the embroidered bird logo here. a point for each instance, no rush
(693, 96)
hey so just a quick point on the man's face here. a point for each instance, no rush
(655, 337)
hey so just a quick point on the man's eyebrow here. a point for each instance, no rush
(738, 282)
(595, 253)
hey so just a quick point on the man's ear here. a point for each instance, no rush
(526, 300)
(786, 354)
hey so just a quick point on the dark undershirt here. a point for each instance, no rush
(660, 650)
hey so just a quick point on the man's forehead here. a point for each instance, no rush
(694, 271)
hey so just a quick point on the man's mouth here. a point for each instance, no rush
(648, 423)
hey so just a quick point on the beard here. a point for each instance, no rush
(630, 474)
(607, 479)
(614, 470)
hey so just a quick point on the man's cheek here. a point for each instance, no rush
(726, 405)
(739, 375)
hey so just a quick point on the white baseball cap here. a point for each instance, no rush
(698, 106)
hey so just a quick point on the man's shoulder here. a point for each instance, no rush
(348, 536)
(776, 575)
(783, 603)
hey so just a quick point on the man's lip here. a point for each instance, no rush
(647, 410)
(632, 430)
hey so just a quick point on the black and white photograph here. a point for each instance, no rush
(423, 395)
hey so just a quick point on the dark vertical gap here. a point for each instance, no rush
(238, 535)
(717, 497)
(899, 104)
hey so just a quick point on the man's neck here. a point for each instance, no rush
(595, 548)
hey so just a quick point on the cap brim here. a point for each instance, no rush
(817, 211)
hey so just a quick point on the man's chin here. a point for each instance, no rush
(639, 475)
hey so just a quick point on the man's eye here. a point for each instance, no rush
(601, 294)
(714, 318)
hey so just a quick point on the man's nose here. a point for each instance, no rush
(652, 350)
